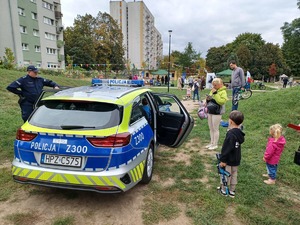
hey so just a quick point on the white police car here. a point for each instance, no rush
(97, 137)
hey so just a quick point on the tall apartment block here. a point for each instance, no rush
(33, 30)
(142, 41)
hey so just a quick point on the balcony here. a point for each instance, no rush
(58, 15)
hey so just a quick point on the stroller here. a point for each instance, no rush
(224, 174)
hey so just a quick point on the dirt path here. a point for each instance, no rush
(43, 206)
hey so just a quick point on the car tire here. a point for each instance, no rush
(148, 169)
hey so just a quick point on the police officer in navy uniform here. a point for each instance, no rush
(28, 88)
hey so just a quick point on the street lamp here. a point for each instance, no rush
(170, 31)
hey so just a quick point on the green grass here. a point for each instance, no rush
(180, 187)
(256, 203)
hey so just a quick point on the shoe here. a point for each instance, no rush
(231, 194)
(265, 175)
(269, 181)
(207, 146)
(222, 192)
(213, 147)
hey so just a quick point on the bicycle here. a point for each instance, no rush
(241, 94)
(258, 85)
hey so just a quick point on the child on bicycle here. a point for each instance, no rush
(273, 152)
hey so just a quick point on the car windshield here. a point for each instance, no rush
(64, 114)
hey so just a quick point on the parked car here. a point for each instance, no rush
(97, 138)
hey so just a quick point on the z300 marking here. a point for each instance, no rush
(77, 149)
(139, 138)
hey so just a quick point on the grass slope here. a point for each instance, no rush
(256, 203)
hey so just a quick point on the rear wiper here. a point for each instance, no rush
(71, 127)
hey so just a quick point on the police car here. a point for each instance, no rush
(97, 137)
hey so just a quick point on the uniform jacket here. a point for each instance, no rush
(30, 88)
(231, 149)
(274, 150)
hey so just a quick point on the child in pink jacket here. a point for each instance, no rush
(273, 152)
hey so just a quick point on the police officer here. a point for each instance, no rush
(28, 88)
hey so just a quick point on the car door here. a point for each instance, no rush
(173, 122)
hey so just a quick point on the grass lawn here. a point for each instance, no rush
(192, 183)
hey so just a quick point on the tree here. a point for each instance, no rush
(268, 55)
(109, 39)
(251, 53)
(291, 45)
(9, 59)
(188, 58)
(95, 41)
(216, 59)
(273, 71)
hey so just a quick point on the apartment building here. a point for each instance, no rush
(33, 30)
(143, 42)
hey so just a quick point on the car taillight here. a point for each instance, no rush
(24, 136)
(117, 140)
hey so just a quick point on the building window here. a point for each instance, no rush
(50, 36)
(47, 5)
(36, 33)
(48, 21)
(25, 46)
(37, 48)
(34, 15)
(23, 29)
(51, 51)
(21, 12)
(51, 65)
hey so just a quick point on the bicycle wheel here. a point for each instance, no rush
(262, 87)
(235, 99)
(246, 94)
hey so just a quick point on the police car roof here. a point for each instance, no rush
(96, 93)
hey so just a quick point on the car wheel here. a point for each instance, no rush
(148, 169)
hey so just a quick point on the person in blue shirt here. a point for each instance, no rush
(147, 110)
(29, 88)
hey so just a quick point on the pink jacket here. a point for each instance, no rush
(274, 150)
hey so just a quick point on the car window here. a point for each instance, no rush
(136, 113)
(62, 114)
(167, 104)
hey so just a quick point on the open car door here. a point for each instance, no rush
(173, 122)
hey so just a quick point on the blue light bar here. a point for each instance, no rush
(118, 82)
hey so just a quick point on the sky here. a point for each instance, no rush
(204, 23)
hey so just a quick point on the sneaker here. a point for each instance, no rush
(207, 146)
(222, 192)
(265, 175)
(213, 147)
(231, 194)
(269, 181)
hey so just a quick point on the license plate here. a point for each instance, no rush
(61, 160)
